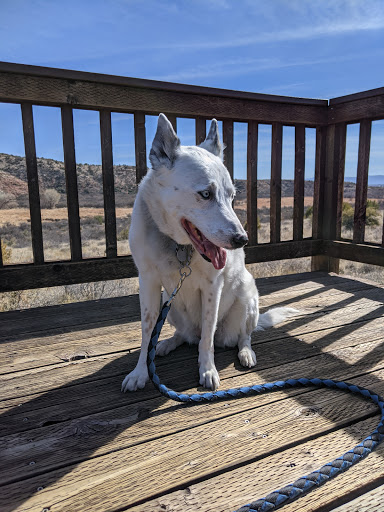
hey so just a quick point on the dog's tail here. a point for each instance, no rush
(275, 316)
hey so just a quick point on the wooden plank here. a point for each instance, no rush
(140, 146)
(65, 316)
(319, 183)
(42, 444)
(363, 253)
(232, 489)
(18, 87)
(46, 407)
(362, 181)
(71, 183)
(282, 250)
(276, 160)
(252, 220)
(118, 477)
(354, 111)
(340, 169)
(287, 343)
(200, 129)
(370, 501)
(66, 74)
(108, 184)
(298, 203)
(25, 277)
(228, 145)
(33, 183)
(319, 262)
(93, 338)
(84, 320)
(357, 96)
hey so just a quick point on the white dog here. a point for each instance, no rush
(186, 200)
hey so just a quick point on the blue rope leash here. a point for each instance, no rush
(291, 492)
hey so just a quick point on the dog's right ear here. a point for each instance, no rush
(212, 141)
(164, 145)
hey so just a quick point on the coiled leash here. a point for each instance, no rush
(301, 486)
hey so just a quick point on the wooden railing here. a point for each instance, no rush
(30, 85)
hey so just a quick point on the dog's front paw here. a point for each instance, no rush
(247, 357)
(135, 380)
(209, 378)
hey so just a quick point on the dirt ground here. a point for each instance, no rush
(17, 216)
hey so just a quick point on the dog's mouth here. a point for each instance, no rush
(208, 250)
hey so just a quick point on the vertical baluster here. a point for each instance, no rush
(201, 130)
(71, 183)
(33, 183)
(340, 169)
(298, 203)
(318, 186)
(228, 144)
(173, 120)
(276, 159)
(140, 146)
(108, 183)
(362, 182)
(252, 142)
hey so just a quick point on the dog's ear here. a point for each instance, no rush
(212, 142)
(164, 145)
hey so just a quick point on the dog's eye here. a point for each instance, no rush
(205, 194)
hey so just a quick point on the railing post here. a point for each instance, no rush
(328, 196)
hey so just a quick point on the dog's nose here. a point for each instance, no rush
(239, 241)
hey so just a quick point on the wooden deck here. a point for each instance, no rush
(71, 441)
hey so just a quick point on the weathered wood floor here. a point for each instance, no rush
(71, 441)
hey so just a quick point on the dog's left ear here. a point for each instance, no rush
(164, 145)
(212, 142)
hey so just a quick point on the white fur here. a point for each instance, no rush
(218, 307)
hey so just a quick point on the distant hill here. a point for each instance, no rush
(13, 176)
(377, 180)
(13, 180)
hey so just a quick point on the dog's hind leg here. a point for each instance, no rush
(247, 356)
(166, 346)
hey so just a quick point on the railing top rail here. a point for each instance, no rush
(47, 72)
(371, 93)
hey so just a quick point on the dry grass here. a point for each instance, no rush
(17, 216)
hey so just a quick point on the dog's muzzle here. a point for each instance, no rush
(238, 241)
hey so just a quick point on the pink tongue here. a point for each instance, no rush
(217, 255)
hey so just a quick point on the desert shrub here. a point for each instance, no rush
(50, 198)
(371, 203)
(372, 213)
(347, 216)
(308, 212)
(6, 252)
(123, 234)
(99, 219)
(7, 200)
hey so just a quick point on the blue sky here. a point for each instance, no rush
(287, 47)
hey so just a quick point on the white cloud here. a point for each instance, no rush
(247, 66)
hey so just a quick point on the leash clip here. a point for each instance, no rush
(184, 255)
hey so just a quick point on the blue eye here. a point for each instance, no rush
(205, 194)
